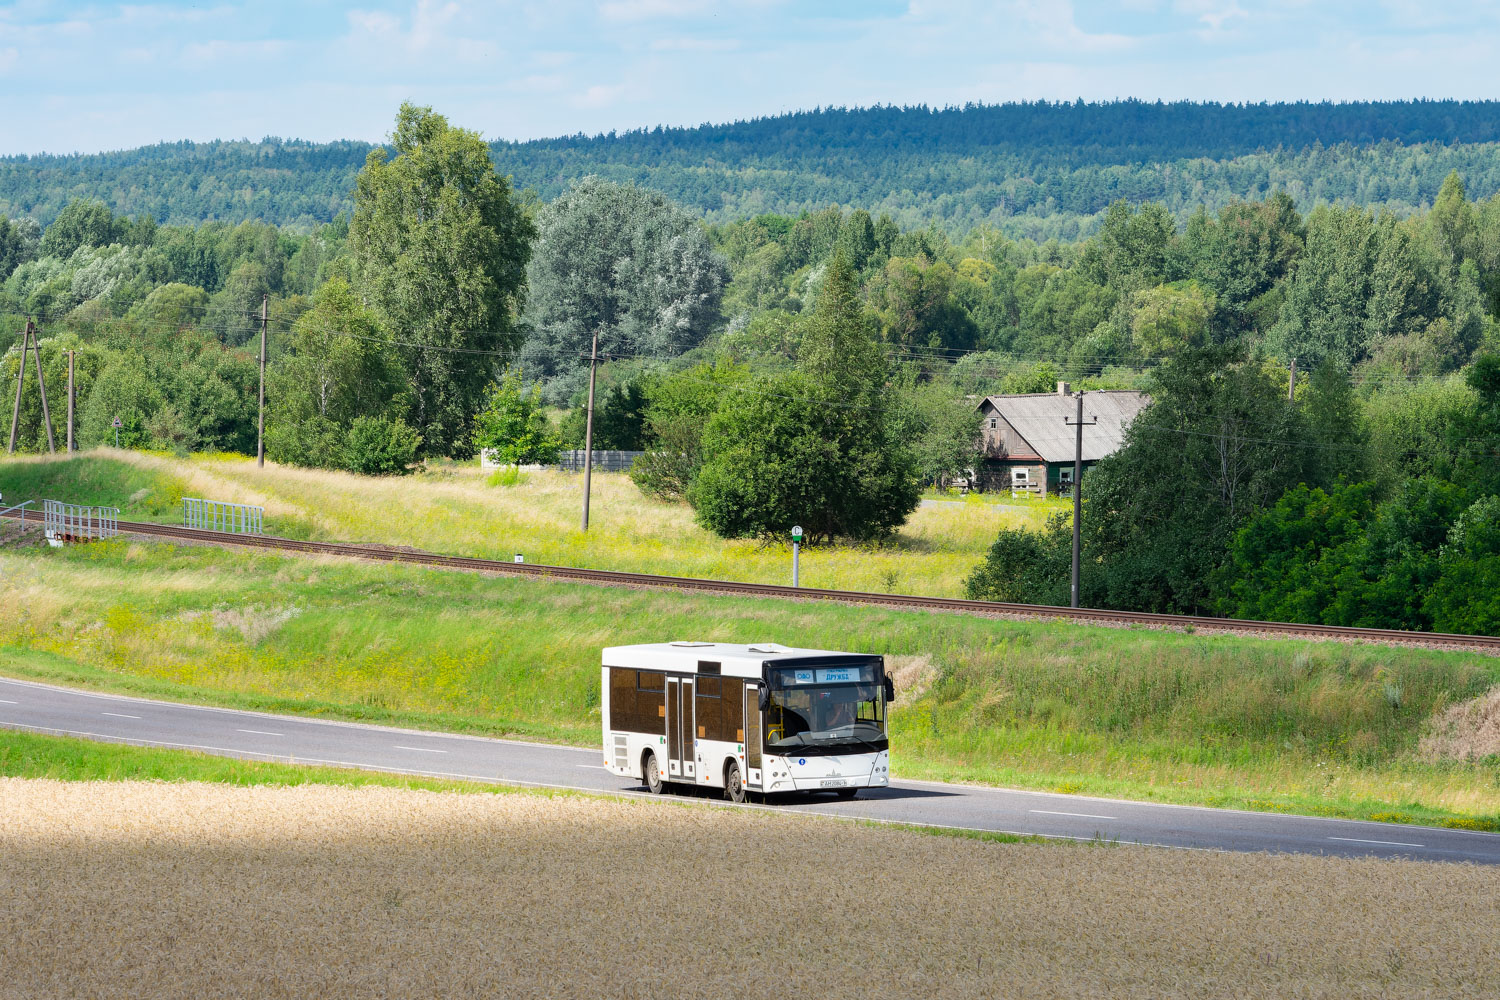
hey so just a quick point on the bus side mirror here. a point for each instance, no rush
(764, 698)
(890, 689)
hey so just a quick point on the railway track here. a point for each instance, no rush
(1484, 643)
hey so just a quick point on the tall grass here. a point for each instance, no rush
(454, 509)
(1263, 723)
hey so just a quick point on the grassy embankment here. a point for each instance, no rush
(1310, 727)
(452, 510)
(130, 889)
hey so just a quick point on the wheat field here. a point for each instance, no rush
(192, 890)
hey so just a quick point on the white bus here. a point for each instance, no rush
(757, 719)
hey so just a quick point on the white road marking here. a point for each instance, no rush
(418, 749)
(7, 701)
(259, 732)
(120, 715)
(1054, 812)
(593, 767)
(1386, 843)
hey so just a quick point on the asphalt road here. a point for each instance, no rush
(258, 736)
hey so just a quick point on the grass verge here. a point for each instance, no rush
(64, 758)
(1322, 728)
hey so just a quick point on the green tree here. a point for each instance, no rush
(1466, 596)
(1134, 248)
(625, 263)
(1166, 319)
(679, 406)
(941, 426)
(513, 424)
(234, 311)
(82, 223)
(1218, 442)
(1241, 255)
(19, 242)
(817, 446)
(912, 299)
(1286, 562)
(1452, 225)
(169, 308)
(439, 249)
(338, 368)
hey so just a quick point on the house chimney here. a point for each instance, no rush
(1063, 389)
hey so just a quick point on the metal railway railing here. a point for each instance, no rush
(216, 515)
(17, 511)
(75, 522)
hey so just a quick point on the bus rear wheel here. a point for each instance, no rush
(734, 787)
(654, 783)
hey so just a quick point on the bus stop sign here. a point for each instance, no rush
(797, 533)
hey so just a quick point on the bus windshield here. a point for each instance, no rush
(818, 713)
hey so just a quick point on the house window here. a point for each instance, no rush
(1019, 475)
(994, 423)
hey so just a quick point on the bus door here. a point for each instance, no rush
(752, 736)
(680, 731)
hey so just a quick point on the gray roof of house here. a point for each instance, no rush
(1041, 419)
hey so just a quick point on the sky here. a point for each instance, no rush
(84, 77)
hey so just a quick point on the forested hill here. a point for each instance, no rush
(1036, 169)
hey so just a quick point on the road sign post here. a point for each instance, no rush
(796, 547)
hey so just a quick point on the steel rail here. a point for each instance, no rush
(992, 608)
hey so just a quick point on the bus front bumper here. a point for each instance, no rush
(827, 774)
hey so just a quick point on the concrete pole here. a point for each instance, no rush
(588, 433)
(71, 397)
(1077, 498)
(260, 429)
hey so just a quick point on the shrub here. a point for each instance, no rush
(1026, 567)
(379, 446)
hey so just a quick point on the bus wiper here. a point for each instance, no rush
(851, 738)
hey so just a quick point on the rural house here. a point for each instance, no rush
(1028, 441)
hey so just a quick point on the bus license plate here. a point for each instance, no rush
(832, 783)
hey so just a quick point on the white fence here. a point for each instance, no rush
(216, 515)
(72, 522)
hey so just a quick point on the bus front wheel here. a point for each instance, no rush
(734, 788)
(654, 783)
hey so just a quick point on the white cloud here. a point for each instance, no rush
(219, 52)
(642, 10)
(600, 96)
(694, 45)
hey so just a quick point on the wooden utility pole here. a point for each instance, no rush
(15, 413)
(588, 433)
(29, 339)
(1291, 384)
(1080, 423)
(71, 397)
(260, 429)
(41, 381)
